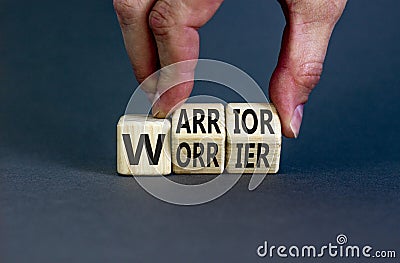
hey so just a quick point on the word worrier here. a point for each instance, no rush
(201, 138)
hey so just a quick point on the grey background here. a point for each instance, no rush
(65, 80)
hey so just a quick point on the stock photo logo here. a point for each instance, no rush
(246, 124)
(340, 248)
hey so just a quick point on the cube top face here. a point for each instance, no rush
(142, 120)
(253, 138)
(198, 138)
(143, 145)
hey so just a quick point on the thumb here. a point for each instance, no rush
(304, 45)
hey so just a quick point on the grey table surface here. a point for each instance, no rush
(65, 79)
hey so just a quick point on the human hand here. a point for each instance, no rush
(163, 32)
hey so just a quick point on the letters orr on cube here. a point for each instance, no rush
(203, 138)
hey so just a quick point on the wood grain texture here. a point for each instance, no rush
(253, 138)
(143, 145)
(198, 138)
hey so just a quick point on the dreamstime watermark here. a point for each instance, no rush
(339, 249)
(168, 77)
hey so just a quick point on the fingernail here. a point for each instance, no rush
(155, 114)
(159, 114)
(297, 117)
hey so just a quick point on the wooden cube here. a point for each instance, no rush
(143, 145)
(198, 138)
(253, 138)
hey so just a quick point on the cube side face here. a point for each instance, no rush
(122, 159)
(253, 138)
(143, 146)
(198, 139)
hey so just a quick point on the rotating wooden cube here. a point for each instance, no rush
(198, 138)
(143, 145)
(253, 138)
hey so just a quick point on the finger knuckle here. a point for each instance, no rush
(308, 75)
(162, 17)
(326, 11)
(128, 10)
(334, 9)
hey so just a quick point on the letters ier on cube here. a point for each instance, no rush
(198, 138)
(143, 145)
(253, 138)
